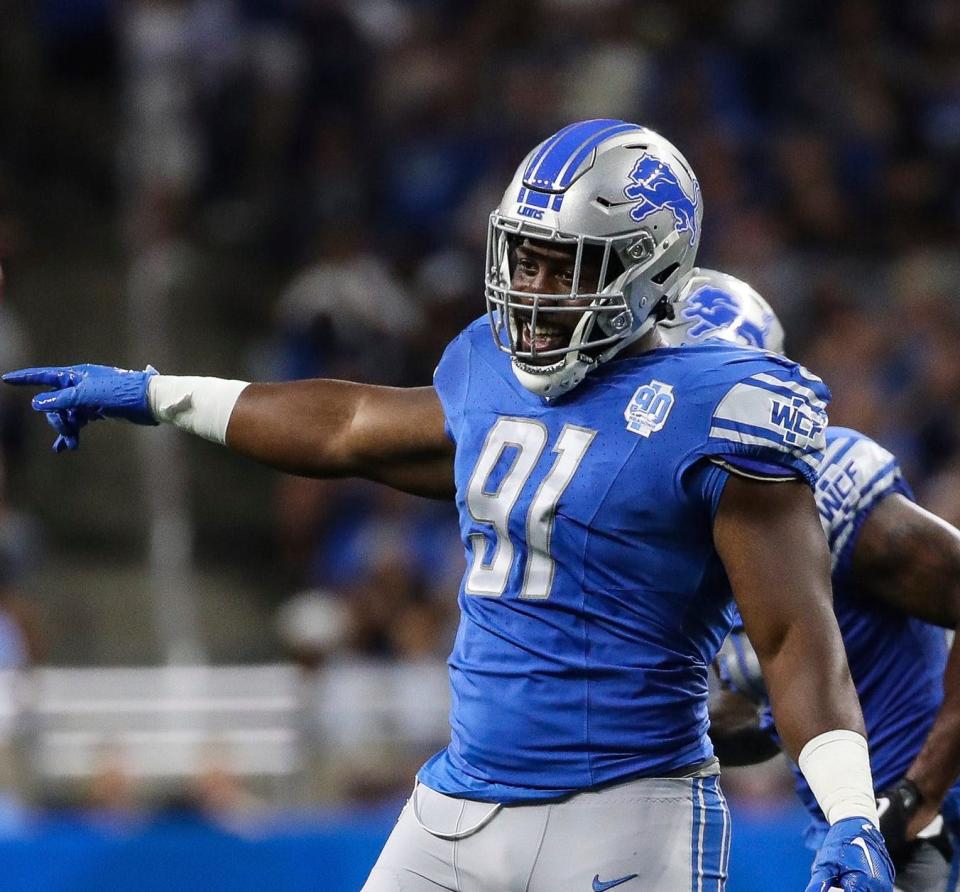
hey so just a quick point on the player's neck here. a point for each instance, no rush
(650, 341)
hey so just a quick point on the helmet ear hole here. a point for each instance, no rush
(665, 273)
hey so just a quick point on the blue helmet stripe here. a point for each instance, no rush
(574, 164)
(537, 199)
(545, 147)
(572, 144)
(559, 147)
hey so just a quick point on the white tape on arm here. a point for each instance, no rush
(837, 768)
(201, 406)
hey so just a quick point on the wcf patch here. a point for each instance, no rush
(647, 411)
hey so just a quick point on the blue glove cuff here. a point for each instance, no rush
(121, 395)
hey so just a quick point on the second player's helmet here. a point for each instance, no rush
(712, 304)
(618, 191)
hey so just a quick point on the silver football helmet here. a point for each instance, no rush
(617, 193)
(712, 304)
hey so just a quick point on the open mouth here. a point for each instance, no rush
(546, 338)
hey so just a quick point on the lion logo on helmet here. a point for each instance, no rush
(657, 187)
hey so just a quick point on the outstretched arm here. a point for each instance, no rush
(316, 428)
(908, 558)
(323, 428)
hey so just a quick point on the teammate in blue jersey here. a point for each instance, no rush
(896, 582)
(611, 494)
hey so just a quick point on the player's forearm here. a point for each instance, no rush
(809, 684)
(818, 717)
(321, 428)
(302, 427)
(937, 765)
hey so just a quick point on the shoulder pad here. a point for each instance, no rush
(779, 409)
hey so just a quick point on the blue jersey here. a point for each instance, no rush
(897, 662)
(594, 600)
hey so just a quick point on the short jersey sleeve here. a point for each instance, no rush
(775, 416)
(704, 485)
(855, 475)
(451, 381)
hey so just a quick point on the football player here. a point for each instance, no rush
(896, 583)
(611, 494)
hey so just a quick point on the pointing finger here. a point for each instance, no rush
(58, 376)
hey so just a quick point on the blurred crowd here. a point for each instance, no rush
(310, 179)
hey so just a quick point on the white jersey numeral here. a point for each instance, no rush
(494, 507)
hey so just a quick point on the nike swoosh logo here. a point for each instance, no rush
(859, 842)
(609, 884)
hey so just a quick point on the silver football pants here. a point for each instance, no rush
(648, 834)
